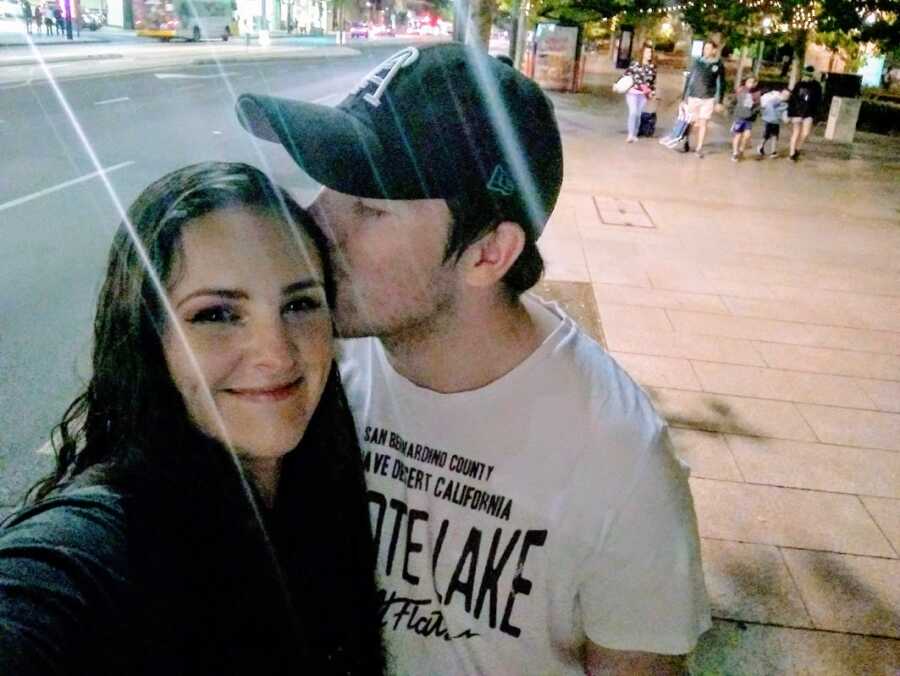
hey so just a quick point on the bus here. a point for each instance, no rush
(189, 19)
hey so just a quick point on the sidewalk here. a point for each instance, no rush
(758, 303)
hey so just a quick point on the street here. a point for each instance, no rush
(58, 212)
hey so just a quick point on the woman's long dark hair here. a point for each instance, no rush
(130, 429)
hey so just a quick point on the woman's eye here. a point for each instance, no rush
(305, 304)
(217, 314)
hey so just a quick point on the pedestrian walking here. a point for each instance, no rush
(803, 106)
(774, 109)
(643, 75)
(703, 91)
(60, 20)
(38, 19)
(48, 22)
(27, 15)
(746, 110)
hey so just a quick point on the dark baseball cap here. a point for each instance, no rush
(444, 121)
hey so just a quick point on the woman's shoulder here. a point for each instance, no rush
(63, 567)
(87, 521)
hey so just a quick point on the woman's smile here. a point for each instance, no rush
(267, 393)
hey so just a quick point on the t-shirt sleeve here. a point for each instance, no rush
(62, 581)
(642, 587)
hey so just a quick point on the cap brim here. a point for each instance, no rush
(329, 144)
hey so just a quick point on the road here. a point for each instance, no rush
(58, 214)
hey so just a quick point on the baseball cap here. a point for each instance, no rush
(444, 121)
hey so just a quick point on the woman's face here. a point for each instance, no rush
(249, 300)
(647, 55)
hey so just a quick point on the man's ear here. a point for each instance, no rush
(487, 260)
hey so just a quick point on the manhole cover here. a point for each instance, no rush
(613, 211)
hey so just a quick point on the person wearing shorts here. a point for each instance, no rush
(703, 91)
(746, 110)
(803, 106)
(774, 107)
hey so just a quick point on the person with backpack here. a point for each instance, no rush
(803, 106)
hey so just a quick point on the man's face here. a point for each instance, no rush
(709, 50)
(388, 258)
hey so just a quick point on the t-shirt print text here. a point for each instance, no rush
(482, 575)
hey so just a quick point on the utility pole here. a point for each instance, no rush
(263, 26)
(460, 19)
(521, 30)
(68, 10)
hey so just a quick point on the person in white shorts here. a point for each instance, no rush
(704, 90)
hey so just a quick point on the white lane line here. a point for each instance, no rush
(108, 101)
(188, 76)
(61, 186)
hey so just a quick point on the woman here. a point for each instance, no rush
(643, 75)
(207, 513)
(803, 107)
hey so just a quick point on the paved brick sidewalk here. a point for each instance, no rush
(759, 305)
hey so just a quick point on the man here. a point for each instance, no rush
(803, 106)
(704, 90)
(529, 513)
(27, 15)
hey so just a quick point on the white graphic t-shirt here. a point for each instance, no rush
(517, 521)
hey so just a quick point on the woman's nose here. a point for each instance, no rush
(271, 347)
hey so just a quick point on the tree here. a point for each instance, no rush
(837, 24)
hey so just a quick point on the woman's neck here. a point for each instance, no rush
(264, 473)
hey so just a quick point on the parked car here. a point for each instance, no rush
(359, 30)
(383, 32)
(91, 19)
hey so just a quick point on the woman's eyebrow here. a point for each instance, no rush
(221, 293)
(302, 285)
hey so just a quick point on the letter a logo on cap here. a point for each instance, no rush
(501, 182)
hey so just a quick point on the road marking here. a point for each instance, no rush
(46, 449)
(108, 101)
(216, 133)
(60, 186)
(189, 87)
(188, 76)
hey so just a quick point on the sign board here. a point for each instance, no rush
(623, 47)
(554, 56)
(871, 70)
(697, 48)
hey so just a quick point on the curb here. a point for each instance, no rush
(304, 53)
(307, 53)
(33, 61)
